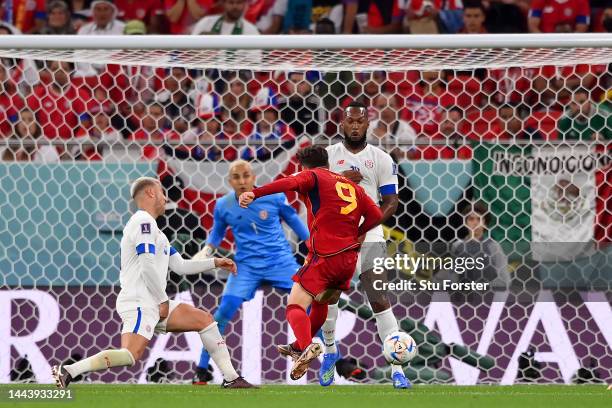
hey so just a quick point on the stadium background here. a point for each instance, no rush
(64, 204)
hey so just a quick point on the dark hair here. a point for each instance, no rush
(474, 4)
(458, 110)
(583, 90)
(313, 156)
(325, 26)
(9, 30)
(507, 105)
(480, 208)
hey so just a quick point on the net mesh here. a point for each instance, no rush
(525, 132)
(329, 60)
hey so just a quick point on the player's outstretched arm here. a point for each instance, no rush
(205, 253)
(291, 217)
(300, 182)
(190, 266)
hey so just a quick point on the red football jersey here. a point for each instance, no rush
(555, 12)
(335, 207)
(58, 112)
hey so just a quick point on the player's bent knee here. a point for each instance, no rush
(135, 344)
(204, 319)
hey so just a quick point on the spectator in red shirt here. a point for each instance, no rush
(59, 103)
(559, 16)
(183, 14)
(28, 16)
(383, 17)
(451, 133)
(516, 85)
(425, 105)
(148, 11)
(10, 103)
(474, 16)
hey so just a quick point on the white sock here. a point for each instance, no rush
(217, 349)
(328, 330)
(100, 361)
(386, 323)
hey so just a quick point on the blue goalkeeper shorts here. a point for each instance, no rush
(249, 279)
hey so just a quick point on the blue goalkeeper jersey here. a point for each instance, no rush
(258, 232)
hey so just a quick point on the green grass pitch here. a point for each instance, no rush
(283, 396)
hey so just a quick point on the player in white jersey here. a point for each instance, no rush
(143, 304)
(375, 171)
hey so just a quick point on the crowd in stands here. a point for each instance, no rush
(224, 115)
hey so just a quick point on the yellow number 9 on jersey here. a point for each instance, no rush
(347, 193)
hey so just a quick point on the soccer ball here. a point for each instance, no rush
(399, 348)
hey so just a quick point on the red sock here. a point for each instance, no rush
(300, 323)
(318, 314)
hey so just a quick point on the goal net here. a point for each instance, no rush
(502, 146)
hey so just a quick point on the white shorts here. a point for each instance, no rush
(145, 320)
(368, 252)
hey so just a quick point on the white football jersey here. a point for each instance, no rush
(141, 235)
(379, 173)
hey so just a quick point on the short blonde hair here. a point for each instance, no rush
(237, 163)
(140, 184)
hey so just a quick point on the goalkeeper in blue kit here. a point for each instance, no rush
(263, 254)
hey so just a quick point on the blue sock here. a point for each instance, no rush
(225, 312)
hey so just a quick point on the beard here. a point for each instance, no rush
(355, 143)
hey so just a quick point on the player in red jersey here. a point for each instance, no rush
(335, 207)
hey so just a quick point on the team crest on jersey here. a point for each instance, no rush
(340, 162)
(369, 164)
(145, 228)
(263, 214)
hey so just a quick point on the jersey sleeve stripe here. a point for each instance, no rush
(172, 251)
(313, 195)
(388, 189)
(145, 249)
(582, 19)
(138, 318)
(537, 13)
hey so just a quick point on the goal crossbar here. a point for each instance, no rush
(318, 52)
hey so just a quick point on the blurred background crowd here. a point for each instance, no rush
(210, 111)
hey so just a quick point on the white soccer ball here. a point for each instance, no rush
(399, 348)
